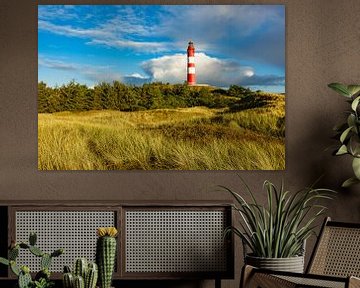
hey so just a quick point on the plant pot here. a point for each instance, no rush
(291, 264)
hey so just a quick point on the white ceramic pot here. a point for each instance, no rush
(291, 264)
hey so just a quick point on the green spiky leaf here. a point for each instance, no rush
(45, 261)
(13, 253)
(36, 251)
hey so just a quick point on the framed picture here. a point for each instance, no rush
(161, 87)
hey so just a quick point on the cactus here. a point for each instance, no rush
(32, 238)
(67, 269)
(4, 261)
(45, 261)
(36, 251)
(91, 276)
(13, 253)
(24, 245)
(68, 280)
(14, 268)
(105, 255)
(79, 282)
(90, 272)
(57, 252)
(80, 267)
(43, 274)
(24, 278)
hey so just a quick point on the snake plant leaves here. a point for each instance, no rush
(342, 150)
(279, 228)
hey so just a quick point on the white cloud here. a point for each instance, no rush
(121, 31)
(136, 79)
(209, 70)
(110, 35)
(52, 12)
(226, 30)
(56, 64)
(67, 30)
(137, 75)
(141, 46)
(90, 72)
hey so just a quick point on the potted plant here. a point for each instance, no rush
(42, 278)
(349, 132)
(276, 233)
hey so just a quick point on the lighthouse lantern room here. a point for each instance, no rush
(191, 80)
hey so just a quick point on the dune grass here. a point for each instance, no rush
(196, 138)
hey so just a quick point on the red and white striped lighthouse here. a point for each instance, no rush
(191, 80)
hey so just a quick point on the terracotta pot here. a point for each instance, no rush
(291, 264)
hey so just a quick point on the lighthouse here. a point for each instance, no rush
(191, 80)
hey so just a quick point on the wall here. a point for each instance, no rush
(322, 46)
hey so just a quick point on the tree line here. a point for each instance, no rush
(118, 96)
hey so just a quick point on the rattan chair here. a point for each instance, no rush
(334, 263)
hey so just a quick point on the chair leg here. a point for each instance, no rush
(246, 274)
(354, 282)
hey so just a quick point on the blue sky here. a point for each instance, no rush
(235, 44)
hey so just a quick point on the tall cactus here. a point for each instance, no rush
(81, 265)
(79, 282)
(91, 276)
(106, 254)
(68, 280)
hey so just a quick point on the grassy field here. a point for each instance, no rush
(195, 138)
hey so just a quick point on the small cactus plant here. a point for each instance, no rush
(42, 278)
(106, 254)
(85, 275)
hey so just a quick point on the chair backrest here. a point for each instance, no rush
(337, 251)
